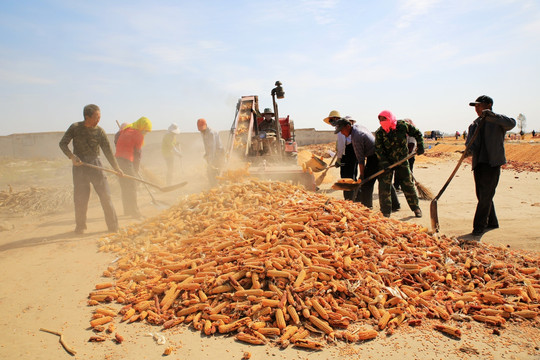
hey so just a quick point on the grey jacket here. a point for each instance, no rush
(363, 142)
(488, 147)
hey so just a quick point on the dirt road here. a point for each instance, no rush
(47, 273)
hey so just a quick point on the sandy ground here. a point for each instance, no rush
(47, 273)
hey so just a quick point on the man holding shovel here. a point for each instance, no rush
(88, 138)
(170, 149)
(213, 150)
(363, 143)
(488, 155)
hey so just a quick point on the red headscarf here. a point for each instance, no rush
(390, 121)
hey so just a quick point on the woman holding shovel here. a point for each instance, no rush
(346, 159)
(390, 147)
(128, 154)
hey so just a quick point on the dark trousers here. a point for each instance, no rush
(82, 178)
(365, 193)
(486, 179)
(350, 169)
(128, 187)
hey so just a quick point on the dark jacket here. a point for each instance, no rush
(488, 147)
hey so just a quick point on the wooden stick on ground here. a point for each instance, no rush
(68, 349)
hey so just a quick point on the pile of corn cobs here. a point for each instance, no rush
(269, 261)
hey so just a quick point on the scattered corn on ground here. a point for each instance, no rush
(271, 262)
(35, 199)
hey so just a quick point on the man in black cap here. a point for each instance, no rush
(363, 143)
(488, 155)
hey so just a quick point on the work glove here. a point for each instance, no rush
(420, 149)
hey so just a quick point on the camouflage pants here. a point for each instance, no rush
(403, 176)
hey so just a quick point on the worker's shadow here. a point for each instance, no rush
(65, 237)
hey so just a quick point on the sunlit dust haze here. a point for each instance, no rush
(177, 61)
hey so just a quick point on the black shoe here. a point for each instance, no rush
(477, 232)
(418, 213)
(386, 215)
(491, 227)
(396, 208)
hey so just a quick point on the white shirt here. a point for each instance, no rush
(342, 142)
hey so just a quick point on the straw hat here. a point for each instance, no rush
(333, 114)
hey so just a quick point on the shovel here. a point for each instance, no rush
(320, 179)
(433, 206)
(355, 186)
(154, 201)
(160, 188)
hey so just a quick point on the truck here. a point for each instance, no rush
(272, 152)
(433, 134)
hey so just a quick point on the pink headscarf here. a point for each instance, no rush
(390, 122)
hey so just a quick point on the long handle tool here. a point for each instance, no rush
(160, 188)
(433, 206)
(321, 177)
(355, 186)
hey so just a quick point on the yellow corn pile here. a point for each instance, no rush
(272, 261)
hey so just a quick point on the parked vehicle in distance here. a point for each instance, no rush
(433, 134)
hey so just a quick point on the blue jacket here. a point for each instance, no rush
(488, 147)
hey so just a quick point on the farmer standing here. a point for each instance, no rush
(170, 149)
(391, 147)
(128, 155)
(488, 155)
(345, 157)
(213, 150)
(363, 144)
(88, 138)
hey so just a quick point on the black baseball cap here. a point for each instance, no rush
(484, 99)
(340, 124)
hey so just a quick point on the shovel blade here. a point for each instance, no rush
(173, 187)
(434, 216)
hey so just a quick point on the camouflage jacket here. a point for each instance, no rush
(392, 146)
(86, 143)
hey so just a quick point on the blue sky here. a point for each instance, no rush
(177, 61)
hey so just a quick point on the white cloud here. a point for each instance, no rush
(413, 9)
(320, 10)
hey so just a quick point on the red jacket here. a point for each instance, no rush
(129, 144)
